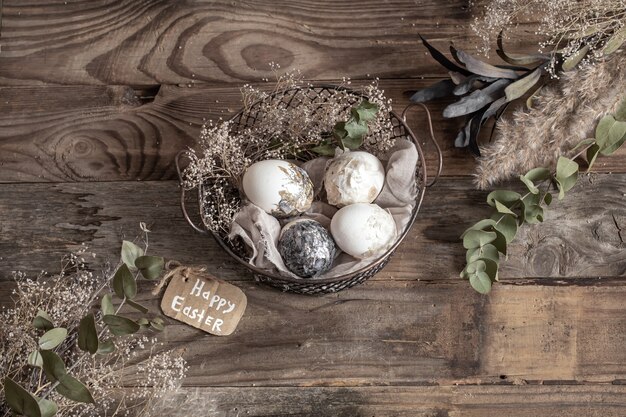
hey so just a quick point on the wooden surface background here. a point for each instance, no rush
(97, 96)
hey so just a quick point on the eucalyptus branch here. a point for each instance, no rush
(487, 240)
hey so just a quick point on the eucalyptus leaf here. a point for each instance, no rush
(616, 137)
(35, 359)
(150, 266)
(592, 154)
(620, 113)
(20, 400)
(157, 325)
(365, 111)
(566, 184)
(480, 225)
(573, 60)
(500, 242)
(481, 282)
(53, 365)
(107, 305)
(325, 149)
(130, 252)
(565, 167)
(52, 338)
(119, 325)
(46, 407)
(43, 321)
(124, 283)
(487, 251)
(584, 143)
(507, 225)
(87, 334)
(506, 197)
(355, 133)
(523, 85)
(547, 199)
(137, 306)
(529, 184)
(105, 347)
(482, 68)
(477, 238)
(501, 208)
(538, 174)
(72, 388)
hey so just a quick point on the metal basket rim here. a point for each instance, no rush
(344, 277)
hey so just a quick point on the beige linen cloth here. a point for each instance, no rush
(260, 231)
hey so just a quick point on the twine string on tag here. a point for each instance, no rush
(174, 268)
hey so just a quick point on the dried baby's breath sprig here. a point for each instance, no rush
(59, 355)
(287, 121)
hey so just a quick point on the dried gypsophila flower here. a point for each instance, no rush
(66, 297)
(288, 121)
(563, 25)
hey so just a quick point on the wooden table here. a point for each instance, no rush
(96, 98)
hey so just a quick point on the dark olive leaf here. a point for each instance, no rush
(120, 326)
(43, 321)
(441, 58)
(105, 347)
(52, 338)
(592, 154)
(47, 408)
(150, 266)
(506, 197)
(481, 282)
(107, 305)
(137, 306)
(124, 283)
(87, 334)
(143, 322)
(72, 388)
(507, 225)
(35, 359)
(53, 365)
(615, 42)
(533, 96)
(482, 68)
(477, 238)
(565, 167)
(547, 199)
(325, 149)
(523, 85)
(573, 60)
(476, 100)
(440, 89)
(19, 400)
(461, 140)
(156, 325)
(130, 252)
(517, 59)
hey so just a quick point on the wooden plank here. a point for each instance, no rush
(408, 333)
(144, 42)
(465, 401)
(105, 133)
(581, 238)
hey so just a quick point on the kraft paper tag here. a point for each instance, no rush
(204, 302)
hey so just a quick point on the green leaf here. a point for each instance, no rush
(325, 149)
(482, 68)
(124, 283)
(620, 114)
(499, 242)
(536, 174)
(107, 305)
(501, 208)
(354, 139)
(477, 238)
(592, 154)
(339, 131)
(105, 346)
(157, 324)
(72, 388)
(547, 199)
(143, 322)
(46, 407)
(481, 282)
(87, 334)
(529, 184)
(150, 266)
(53, 365)
(508, 198)
(507, 225)
(614, 43)
(583, 143)
(119, 325)
(566, 184)
(573, 60)
(617, 136)
(35, 359)
(365, 111)
(480, 225)
(130, 252)
(565, 167)
(523, 85)
(487, 251)
(52, 338)
(137, 306)
(19, 400)
(43, 321)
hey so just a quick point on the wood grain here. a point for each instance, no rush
(144, 42)
(459, 401)
(112, 133)
(581, 238)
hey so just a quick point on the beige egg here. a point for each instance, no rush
(353, 177)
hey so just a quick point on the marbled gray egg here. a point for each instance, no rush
(307, 248)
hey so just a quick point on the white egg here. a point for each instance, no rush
(363, 230)
(278, 187)
(353, 177)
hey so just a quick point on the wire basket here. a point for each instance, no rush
(236, 249)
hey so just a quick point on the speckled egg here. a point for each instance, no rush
(363, 230)
(353, 177)
(278, 187)
(308, 250)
